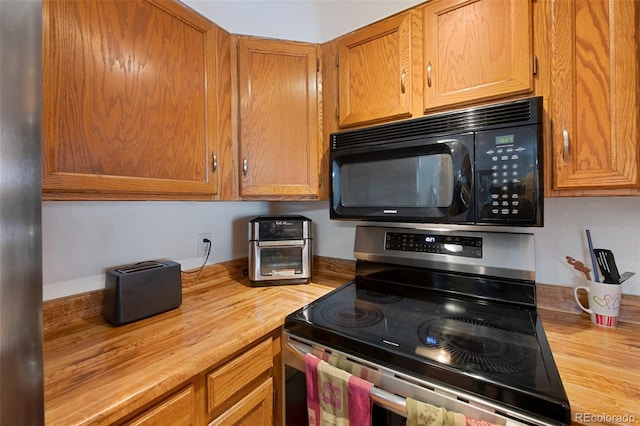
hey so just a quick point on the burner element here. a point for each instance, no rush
(376, 297)
(352, 314)
(477, 346)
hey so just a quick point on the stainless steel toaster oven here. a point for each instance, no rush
(280, 250)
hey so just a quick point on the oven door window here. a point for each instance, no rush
(280, 261)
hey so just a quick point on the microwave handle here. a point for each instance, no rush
(465, 194)
(465, 188)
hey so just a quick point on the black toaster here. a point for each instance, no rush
(141, 290)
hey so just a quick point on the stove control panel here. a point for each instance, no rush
(434, 243)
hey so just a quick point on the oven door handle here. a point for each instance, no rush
(282, 243)
(386, 400)
(398, 404)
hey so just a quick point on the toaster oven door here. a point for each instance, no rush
(275, 262)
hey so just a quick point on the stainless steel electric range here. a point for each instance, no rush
(444, 317)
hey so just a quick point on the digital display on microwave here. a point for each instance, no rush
(505, 140)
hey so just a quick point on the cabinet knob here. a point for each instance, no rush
(429, 74)
(214, 165)
(245, 166)
(402, 80)
(565, 144)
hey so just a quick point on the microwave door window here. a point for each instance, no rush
(425, 181)
(435, 180)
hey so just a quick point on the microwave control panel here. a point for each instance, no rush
(433, 243)
(506, 169)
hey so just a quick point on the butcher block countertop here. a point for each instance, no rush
(96, 373)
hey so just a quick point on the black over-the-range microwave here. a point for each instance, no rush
(480, 165)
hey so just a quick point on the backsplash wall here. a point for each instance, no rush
(614, 223)
(81, 240)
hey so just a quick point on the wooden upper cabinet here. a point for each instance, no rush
(375, 72)
(279, 123)
(594, 94)
(129, 98)
(476, 50)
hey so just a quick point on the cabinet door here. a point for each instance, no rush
(255, 409)
(128, 100)
(594, 94)
(375, 72)
(278, 126)
(476, 50)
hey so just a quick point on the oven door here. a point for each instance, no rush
(280, 260)
(387, 409)
(424, 180)
(391, 388)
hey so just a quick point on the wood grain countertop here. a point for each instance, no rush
(599, 367)
(96, 373)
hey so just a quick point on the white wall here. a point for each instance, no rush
(313, 21)
(81, 240)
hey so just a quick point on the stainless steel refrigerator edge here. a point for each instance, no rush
(21, 365)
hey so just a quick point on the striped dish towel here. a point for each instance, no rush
(335, 397)
(423, 414)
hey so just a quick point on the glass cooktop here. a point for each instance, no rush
(487, 348)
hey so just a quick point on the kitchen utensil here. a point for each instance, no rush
(625, 276)
(579, 266)
(596, 278)
(607, 264)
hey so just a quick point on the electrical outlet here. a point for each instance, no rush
(202, 246)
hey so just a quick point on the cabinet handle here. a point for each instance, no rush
(402, 80)
(214, 158)
(565, 144)
(245, 166)
(429, 74)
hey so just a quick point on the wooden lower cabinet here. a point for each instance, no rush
(255, 409)
(175, 410)
(240, 392)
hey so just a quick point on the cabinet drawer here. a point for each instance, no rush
(176, 410)
(230, 378)
(255, 409)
